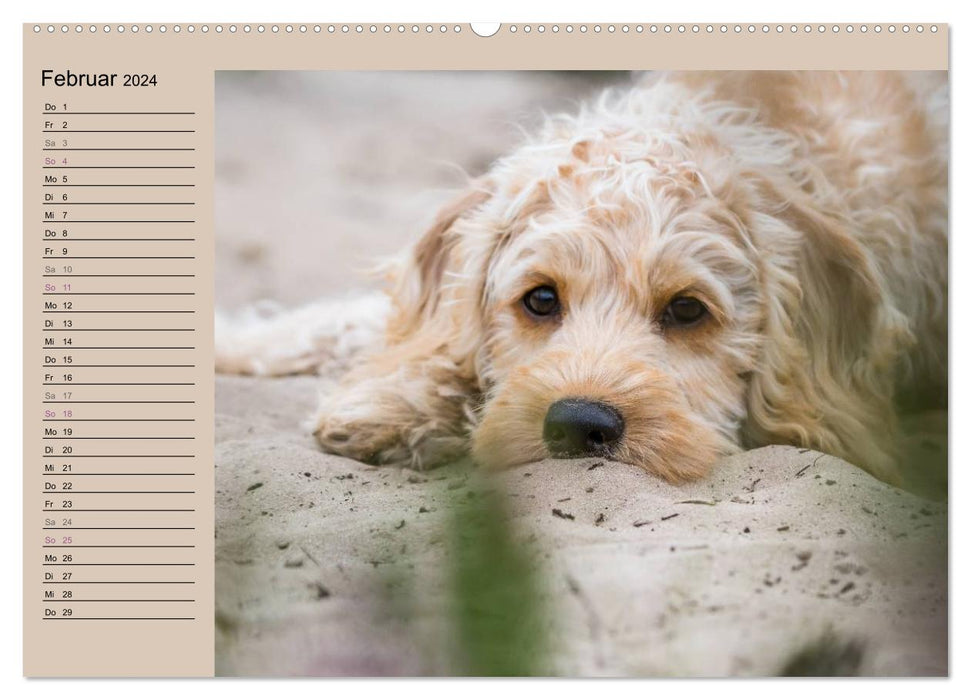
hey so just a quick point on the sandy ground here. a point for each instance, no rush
(329, 567)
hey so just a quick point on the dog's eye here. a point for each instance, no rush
(541, 301)
(684, 311)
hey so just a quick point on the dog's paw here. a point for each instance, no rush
(382, 434)
(363, 440)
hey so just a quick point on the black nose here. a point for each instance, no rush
(578, 427)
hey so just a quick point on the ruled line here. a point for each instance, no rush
(72, 491)
(118, 167)
(72, 365)
(119, 384)
(115, 600)
(152, 402)
(146, 456)
(62, 564)
(118, 420)
(122, 294)
(120, 311)
(118, 149)
(69, 274)
(146, 583)
(124, 330)
(71, 238)
(128, 184)
(115, 437)
(118, 221)
(118, 510)
(125, 113)
(150, 583)
(109, 204)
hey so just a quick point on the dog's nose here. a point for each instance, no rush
(579, 427)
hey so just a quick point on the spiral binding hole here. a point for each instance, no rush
(512, 29)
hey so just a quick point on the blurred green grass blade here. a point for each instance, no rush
(499, 615)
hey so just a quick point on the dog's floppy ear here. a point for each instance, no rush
(418, 288)
(831, 336)
(410, 402)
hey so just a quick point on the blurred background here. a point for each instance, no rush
(320, 173)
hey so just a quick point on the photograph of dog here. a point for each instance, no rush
(581, 373)
(693, 265)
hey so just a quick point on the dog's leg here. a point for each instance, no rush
(408, 405)
(322, 337)
(411, 402)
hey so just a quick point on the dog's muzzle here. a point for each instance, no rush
(581, 428)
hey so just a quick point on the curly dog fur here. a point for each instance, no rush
(802, 215)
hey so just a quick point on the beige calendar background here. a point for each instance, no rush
(119, 301)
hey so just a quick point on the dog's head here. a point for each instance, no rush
(629, 286)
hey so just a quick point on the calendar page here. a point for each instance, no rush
(573, 350)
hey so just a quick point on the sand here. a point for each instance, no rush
(728, 576)
(326, 566)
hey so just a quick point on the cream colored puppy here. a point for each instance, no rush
(703, 263)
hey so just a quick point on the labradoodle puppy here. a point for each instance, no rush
(703, 263)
